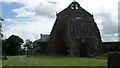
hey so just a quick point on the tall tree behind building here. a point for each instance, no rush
(14, 45)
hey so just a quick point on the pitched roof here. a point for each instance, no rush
(44, 38)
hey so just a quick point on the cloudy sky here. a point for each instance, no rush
(30, 18)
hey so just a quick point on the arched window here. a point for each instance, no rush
(72, 7)
(76, 6)
(76, 29)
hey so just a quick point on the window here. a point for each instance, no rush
(72, 6)
(73, 29)
(76, 6)
(77, 28)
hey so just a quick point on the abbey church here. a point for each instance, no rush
(74, 33)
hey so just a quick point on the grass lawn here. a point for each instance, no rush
(105, 55)
(0, 62)
(102, 56)
(43, 60)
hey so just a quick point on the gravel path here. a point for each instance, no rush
(99, 59)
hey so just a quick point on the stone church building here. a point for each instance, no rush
(74, 33)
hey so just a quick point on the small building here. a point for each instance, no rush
(43, 43)
(110, 46)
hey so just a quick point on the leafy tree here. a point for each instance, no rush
(1, 35)
(4, 47)
(14, 45)
(28, 45)
(32, 47)
(36, 46)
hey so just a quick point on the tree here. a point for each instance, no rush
(14, 45)
(28, 45)
(4, 47)
(1, 35)
(36, 46)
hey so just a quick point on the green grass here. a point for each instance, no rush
(105, 55)
(0, 62)
(43, 60)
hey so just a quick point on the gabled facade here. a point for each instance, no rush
(74, 33)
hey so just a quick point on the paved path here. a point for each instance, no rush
(99, 59)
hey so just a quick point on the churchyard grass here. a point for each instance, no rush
(104, 56)
(0, 62)
(44, 60)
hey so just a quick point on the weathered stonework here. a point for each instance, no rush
(74, 33)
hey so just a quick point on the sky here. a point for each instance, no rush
(30, 18)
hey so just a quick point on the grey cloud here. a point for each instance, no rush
(110, 38)
(119, 17)
(109, 26)
(119, 21)
(45, 10)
